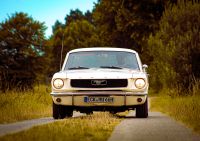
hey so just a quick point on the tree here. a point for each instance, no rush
(77, 15)
(74, 15)
(88, 17)
(57, 25)
(77, 34)
(127, 23)
(21, 51)
(176, 47)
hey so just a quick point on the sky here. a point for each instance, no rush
(47, 11)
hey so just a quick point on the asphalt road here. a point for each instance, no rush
(157, 127)
(24, 125)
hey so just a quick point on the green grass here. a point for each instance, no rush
(16, 106)
(185, 109)
(96, 127)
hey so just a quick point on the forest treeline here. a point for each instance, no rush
(166, 33)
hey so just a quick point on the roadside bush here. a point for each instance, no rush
(176, 47)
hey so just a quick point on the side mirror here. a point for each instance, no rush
(144, 67)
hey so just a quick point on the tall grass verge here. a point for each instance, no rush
(15, 106)
(96, 127)
(183, 108)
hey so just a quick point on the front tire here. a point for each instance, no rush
(142, 110)
(55, 109)
(112, 112)
(89, 112)
(60, 111)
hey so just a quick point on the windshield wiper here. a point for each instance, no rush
(111, 67)
(78, 67)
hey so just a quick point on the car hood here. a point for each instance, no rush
(96, 73)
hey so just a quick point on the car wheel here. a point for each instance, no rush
(69, 112)
(142, 110)
(55, 111)
(60, 111)
(89, 112)
(112, 112)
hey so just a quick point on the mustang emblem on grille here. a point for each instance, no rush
(98, 82)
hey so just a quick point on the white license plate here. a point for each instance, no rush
(90, 99)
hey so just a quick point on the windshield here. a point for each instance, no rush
(102, 59)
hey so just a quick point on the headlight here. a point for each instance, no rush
(58, 83)
(140, 83)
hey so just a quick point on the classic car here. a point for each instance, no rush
(100, 79)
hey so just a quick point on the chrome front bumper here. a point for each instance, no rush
(121, 98)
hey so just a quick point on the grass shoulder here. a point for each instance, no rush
(17, 106)
(182, 108)
(98, 127)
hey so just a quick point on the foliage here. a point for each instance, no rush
(77, 34)
(128, 23)
(77, 15)
(176, 47)
(21, 40)
(57, 25)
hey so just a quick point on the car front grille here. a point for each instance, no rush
(98, 83)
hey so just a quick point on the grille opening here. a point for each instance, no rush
(98, 83)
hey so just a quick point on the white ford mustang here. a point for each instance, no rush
(100, 79)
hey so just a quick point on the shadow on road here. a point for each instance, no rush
(131, 115)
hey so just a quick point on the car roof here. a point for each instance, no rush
(102, 49)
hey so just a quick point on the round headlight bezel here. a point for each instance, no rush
(58, 83)
(138, 83)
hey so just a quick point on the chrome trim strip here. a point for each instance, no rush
(117, 93)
